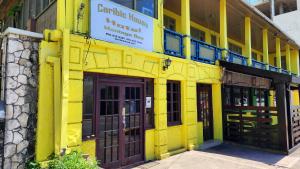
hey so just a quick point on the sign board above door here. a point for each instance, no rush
(115, 23)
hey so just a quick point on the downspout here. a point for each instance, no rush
(65, 88)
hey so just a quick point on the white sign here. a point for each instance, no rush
(148, 102)
(115, 23)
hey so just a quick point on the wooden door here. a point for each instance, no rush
(119, 125)
(204, 106)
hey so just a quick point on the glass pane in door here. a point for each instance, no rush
(132, 126)
(109, 123)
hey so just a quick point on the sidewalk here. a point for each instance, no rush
(227, 157)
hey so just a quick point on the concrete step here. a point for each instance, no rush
(210, 144)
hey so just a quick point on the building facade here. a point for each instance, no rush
(132, 81)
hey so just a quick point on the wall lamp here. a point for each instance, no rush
(167, 64)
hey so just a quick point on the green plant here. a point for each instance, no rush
(14, 9)
(33, 165)
(74, 160)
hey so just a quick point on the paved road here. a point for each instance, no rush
(227, 157)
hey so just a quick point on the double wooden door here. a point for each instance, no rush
(120, 132)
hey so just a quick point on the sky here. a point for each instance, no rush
(252, 1)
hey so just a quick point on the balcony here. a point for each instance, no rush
(273, 68)
(236, 58)
(258, 65)
(173, 43)
(203, 52)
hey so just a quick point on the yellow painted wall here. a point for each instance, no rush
(200, 133)
(89, 147)
(149, 145)
(175, 138)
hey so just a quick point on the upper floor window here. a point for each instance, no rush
(282, 7)
(42, 5)
(283, 62)
(214, 40)
(275, 61)
(198, 34)
(147, 7)
(235, 48)
(169, 23)
(254, 56)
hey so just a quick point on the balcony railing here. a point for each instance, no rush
(237, 58)
(259, 65)
(173, 43)
(203, 52)
(284, 71)
(273, 68)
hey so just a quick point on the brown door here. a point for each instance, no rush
(119, 128)
(205, 113)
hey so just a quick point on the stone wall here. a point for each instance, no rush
(20, 54)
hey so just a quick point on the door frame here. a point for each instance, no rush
(120, 81)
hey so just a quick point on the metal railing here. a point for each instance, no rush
(203, 52)
(259, 65)
(173, 43)
(273, 68)
(285, 71)
(206, 53)
(236, 58)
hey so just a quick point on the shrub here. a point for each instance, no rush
(74, 160)
(33, 165)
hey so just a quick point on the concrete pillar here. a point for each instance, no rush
(189, 114)
(278, 53)
(266, 48)
(297, 69)
(248, 48)
(288, 57)
(160, 109)
(217, 111)
(223, 27)
(186, 27)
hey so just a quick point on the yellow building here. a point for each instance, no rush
(133, 81)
